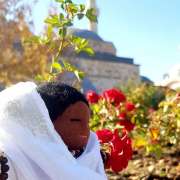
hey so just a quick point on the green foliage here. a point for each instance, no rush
(147, 98)
(58, 42)
(104, 116)
(81, 44)
(157, 117)
(90, 14)
(167, 118)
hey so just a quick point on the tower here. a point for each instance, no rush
(93, 25)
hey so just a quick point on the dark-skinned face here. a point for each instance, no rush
(73, 125)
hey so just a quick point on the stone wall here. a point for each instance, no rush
(108, 74)
(103, 46)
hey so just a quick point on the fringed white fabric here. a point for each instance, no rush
(35, 149)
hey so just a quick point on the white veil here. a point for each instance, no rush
(35, 149)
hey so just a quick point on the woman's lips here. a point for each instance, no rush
(83, 137)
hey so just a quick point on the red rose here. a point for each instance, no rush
(104, 135)
(117, 162)
(130, 106)
(117, 144)
(128, 152)
(121, 151)
(127, 147)
(92, 97)
(122, 116)
(128, 125)
(114, 96)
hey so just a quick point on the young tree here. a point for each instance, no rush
(58, 40)
(25, 62)
(17, 62)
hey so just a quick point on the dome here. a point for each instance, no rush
(86, 34)
(172, 78)
(173, 74)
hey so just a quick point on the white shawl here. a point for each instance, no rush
(34, 149)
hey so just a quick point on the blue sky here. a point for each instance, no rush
(146, 30)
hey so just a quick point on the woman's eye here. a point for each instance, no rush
(75, 120)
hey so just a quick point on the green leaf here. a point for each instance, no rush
(76, 39)
(68, 1)
(79, 74)
(140, 141)
(53, 20)
(62, 32)
(60, 1)
(90, 14)
(81, 44)
(82, 7)
(80, 16)
(44, 40)
(89, 51)
(68, 66)
(62, 6)
(73, 8)
(61, 16)
(49, 32)
(154, 149)
(57, 66)
(67, 23)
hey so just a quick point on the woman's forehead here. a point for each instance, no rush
(78, 108)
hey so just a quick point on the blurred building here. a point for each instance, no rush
(172, 78)
(105, 69)
(146, 80)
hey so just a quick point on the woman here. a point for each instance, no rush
(44, 134)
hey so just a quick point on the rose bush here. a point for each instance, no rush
(147, 99)
(111, 119)
(166, 121)
(147, 117)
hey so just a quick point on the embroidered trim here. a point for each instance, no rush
(4, 168)
(104, 157)
(76, 153)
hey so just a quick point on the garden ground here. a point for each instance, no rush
(143, 167)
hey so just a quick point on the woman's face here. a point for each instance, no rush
(73, 125)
